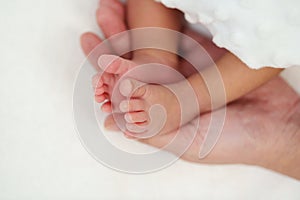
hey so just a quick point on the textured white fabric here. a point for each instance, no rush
(260, 33)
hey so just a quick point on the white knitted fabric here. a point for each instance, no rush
(260, 32)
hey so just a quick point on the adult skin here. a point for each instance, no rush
(261, 128)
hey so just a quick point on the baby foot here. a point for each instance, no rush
(105, 82)
(115, 67)
(141, 98)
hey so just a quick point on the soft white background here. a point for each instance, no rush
(40, 154)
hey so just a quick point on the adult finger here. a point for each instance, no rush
(90, 44)
(111, 19)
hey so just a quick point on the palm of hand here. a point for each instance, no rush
(254, 125)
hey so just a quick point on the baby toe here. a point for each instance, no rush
(100, 90)
(96, 81)
(136, 117)
(100, 98)
(132, 105)
(107, 107)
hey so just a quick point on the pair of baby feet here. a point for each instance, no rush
(148, 106)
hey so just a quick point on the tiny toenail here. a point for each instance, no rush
(127, 117)
(124, 106)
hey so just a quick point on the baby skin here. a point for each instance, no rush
(237, 78)
(136, 109)
(140, 97)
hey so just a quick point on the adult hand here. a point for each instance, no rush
(262, 128)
